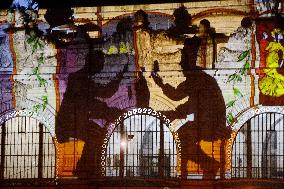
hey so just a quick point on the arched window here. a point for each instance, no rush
(27, 150)
(141, 146)
(258, 151)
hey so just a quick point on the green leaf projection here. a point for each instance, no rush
(230, 103)
(38, 47)
(237, 92)
(243, 55)
(235, 78)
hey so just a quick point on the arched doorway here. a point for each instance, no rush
(141, 145)
(258, 149)
(27, 150)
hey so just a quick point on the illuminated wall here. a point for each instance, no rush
(197, 65)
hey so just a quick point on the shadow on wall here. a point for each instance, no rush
(205, 102)
(81, 105)
(80, 108)
(207, 105)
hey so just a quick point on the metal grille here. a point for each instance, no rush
(141, 147)
(27, 150)
(258, 150)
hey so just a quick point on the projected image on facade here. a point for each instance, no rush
(170, 92)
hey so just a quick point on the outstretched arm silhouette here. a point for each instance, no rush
(175, 94)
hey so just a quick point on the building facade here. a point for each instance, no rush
(172, 95)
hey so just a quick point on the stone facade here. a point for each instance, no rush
(81, 79)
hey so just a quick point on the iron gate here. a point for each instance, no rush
(258, 150)
(27, 150)
(141, 146)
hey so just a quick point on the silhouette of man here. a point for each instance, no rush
(205, 102)
(80, 106)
